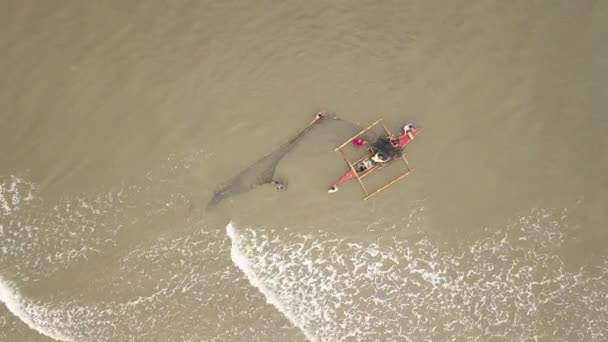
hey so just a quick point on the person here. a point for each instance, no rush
(408, 128)
(364, 165)
(279, 185)
(379, 158)
(394, 142)
(358, 142)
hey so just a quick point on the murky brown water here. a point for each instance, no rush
(118, 120)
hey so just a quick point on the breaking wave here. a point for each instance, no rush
(242, 263)
(510, 285)
(34, 316)
(176, 287)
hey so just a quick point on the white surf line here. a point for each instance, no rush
(242, 262)
(14, 303)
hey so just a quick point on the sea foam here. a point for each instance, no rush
(30, 314)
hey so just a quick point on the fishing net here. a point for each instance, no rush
(384, 146)
(262, 171)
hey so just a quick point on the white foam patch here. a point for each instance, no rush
(243, 264)
(38, 238)
(29, 313)
(181, 288)
(14, 191)
(511, 285)
(43, 239)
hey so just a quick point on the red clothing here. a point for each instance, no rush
(358, 142)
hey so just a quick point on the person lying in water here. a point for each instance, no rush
(279, 185)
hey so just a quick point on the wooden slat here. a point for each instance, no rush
(368, 171)
(389, 184)
(406, 162)
(376, 166)
(358, 134)
(409, 170)
(367, 156)
(386, 128)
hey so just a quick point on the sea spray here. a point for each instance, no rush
(27, 312)
(510, 284)
(242, 262)
(11, 194)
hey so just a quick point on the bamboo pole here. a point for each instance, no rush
(355, 171)
(406, 162)
(389, 184)
(367, 156)
(368, 171)
(386, 128)
(358, 134)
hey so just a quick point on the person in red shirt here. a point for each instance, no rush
(358, 142)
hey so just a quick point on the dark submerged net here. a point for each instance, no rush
(263, 171)
(260, 172)
(384, 146)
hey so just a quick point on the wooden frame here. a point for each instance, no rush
(376, 166)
